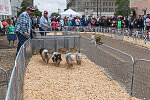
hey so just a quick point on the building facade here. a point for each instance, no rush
(140, 7)
(105, 7)
(15, 6)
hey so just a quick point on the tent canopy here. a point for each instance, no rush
(69, 12)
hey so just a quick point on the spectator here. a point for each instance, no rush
(73, 22)
(5, 24)
(147, 23)
(83, 21)
(114, 22)
(44, 23)
(126, 23)
(119, 23)
(70, 18)
(1, 25)
(77, 21)
(11, 36)
(12, 18)
(23, 27)
(89, 21)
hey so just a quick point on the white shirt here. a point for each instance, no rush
(1, 25)
(77, 21)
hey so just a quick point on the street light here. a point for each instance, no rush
(100, 7)
(97, 7)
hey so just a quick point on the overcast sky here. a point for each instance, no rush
(50, 5)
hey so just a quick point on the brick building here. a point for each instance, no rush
(105, 7)
(140, 7)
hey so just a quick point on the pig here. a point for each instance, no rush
(78, 58)
(56, 57)
(71, 60)
(45, 54)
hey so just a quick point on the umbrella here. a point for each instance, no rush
(119, 16)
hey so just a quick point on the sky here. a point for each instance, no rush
(50, 5)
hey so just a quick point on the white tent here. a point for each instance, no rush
(69, 12)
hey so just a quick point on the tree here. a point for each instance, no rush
(37, 12)
(123, 8)
(25, 4)
(54, 14)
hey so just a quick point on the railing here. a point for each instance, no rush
(130, 72)
(3, 82)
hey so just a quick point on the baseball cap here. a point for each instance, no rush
(30, 8)
(45, 12)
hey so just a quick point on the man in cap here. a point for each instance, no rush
(45, 23)
(23, 26)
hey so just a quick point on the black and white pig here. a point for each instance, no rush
(45, 54)
(56, 57)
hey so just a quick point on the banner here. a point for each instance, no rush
(5, 7)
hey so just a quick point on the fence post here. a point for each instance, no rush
(132, 81)
(96, 55)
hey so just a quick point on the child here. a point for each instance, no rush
(11, 36)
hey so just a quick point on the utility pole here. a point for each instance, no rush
(100, 8)
(97, 7)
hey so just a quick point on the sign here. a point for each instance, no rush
(5, 7)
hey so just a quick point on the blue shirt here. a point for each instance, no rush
(24, 24)
(44, 23)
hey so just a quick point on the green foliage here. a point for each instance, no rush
(54, 14)
(98, 37)
(25, 4)
(123, 8)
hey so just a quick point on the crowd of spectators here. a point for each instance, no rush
(45, 23)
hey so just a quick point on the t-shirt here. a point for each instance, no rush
(119, 24)
(77, 21)
(11, 29)
(147, 22)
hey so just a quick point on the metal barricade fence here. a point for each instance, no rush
(17, 76)
(141, 81)
(131, 73)
(3, 82)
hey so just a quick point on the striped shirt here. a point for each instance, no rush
(24, 24)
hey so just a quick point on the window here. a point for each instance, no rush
(78, 3)
(92, 3)
(93, 9)
(86, 3)
(104, 3)
(78, 9)
(111, 3)
(110, 9)
(105, 9)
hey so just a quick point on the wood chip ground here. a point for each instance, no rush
(82, 82)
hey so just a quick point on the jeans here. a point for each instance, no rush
(42, 33)
(21, 40)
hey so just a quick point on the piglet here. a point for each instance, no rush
(70, 59)
(45, 54)
(78, 58)
(56, 57)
